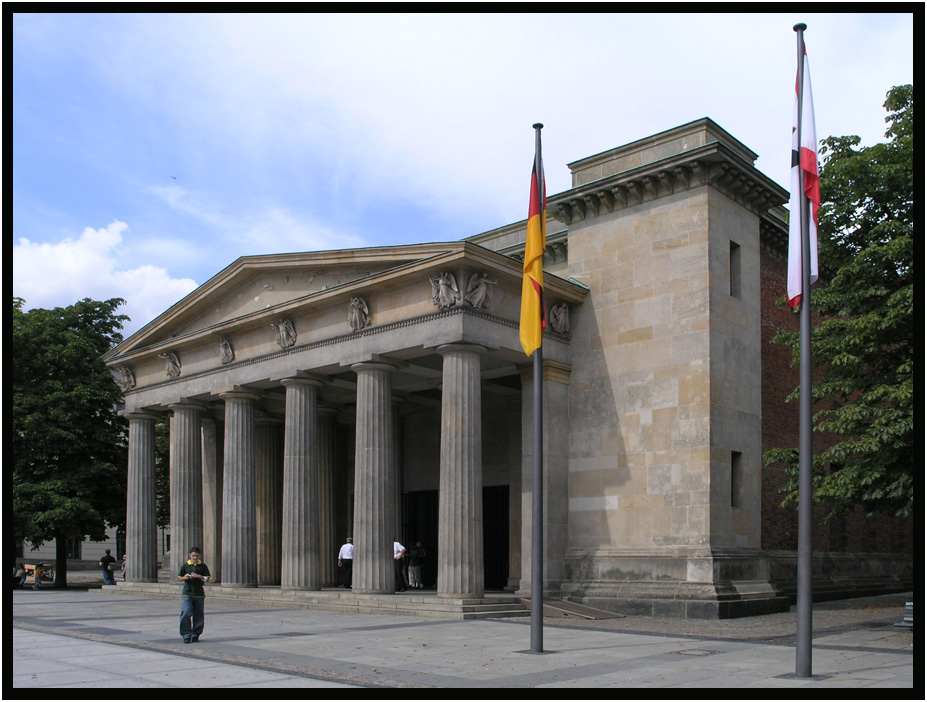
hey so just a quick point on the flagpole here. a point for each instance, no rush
(537, 490)
(805, 464)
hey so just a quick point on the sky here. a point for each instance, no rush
(150, 151)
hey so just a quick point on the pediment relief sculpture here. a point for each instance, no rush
(285, 333)
(358, 314)
(172, 364)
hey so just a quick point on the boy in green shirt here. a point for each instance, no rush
(194, 574)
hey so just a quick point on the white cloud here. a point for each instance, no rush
(61, 273)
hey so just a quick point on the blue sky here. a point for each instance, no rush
(151, 151)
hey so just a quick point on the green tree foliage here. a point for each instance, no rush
(863, 350)
(68, 444)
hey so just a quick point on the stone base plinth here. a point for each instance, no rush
(677, 583)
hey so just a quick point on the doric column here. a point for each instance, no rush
(268, 490)
(212, 496)
(327, 538)
(186, 482)
(239, 517)
(300, 570)
(141, 514)
(460, 501)
(375, 475)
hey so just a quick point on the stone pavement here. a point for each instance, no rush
(75, 638)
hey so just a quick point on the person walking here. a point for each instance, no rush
(346, 561)
(194, 574)
(105, 563)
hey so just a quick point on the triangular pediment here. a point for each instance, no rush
(254, 284)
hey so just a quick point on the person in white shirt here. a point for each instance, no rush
(346, 561)
(399, 551)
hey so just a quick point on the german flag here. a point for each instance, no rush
(533, 310)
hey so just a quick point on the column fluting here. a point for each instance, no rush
(460, 499)
(239, 517)
(375, 477)
(141, 510)
(186, 482)
(213, 467)
(300, 566)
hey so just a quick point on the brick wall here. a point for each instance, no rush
(780, 429)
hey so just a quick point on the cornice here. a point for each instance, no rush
(714, 164)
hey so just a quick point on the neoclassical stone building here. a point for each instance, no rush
(383, 393)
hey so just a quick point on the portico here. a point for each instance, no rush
(308, 394)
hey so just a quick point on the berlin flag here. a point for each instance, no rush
(804, 159)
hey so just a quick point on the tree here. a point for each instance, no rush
(863, 349)
(68, 443)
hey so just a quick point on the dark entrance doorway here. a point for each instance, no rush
(420, 523)
(496, 537)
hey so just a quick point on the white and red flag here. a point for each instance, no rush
(804, 162)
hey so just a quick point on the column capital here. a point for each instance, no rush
(373, 365)
(237, 392)
(451, 348)
(141, 415)
(300, 379)
(184, 404)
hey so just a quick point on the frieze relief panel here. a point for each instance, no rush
(125, 378)
(446, 293)
(284, 333)
(172, 366)
(226, 352)
(358, 314)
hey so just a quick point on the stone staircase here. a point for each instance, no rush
(571, 610)
(416, 604)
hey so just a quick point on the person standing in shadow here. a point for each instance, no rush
(346, 561)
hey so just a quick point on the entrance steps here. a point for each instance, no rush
(572, 610)
(416, 604)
